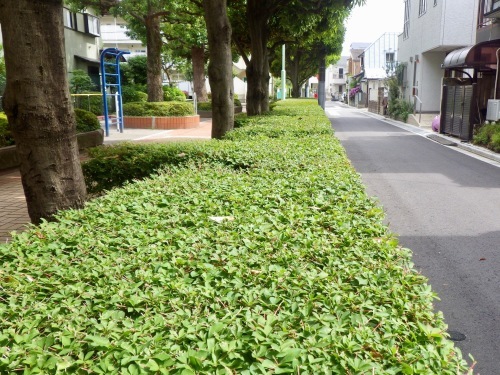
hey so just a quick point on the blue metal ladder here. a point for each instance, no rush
(110, 71)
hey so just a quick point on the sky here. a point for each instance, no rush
(368, 22)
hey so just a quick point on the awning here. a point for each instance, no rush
(481, 56)
(87, 59)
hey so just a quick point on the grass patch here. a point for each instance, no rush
(259, 254)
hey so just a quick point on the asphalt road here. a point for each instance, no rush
(445, 206)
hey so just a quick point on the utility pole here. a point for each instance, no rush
(283, 75)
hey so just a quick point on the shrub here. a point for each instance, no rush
(284, 266)
(6, 138)
(160, 109)
(400, 109)
(91, 102)
(207, 106)
(134, 109)
(80, 82)
(173, 94)
(86, 121)
(132, 94)
(488, 135)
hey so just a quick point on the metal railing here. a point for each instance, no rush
(416, 98)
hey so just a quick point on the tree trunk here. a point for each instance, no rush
(38, 106)
(220, 66)
(294, 74)
(258, 68)
(154, 43)
(198, 59)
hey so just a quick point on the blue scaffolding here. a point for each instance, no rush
(111, 81)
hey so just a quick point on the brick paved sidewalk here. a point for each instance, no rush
(13, 210)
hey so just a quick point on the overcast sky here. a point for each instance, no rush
(367, 23)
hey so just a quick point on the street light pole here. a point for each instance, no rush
(283, 75)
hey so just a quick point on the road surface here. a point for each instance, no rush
(445, 206)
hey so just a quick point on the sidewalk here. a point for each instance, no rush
(13, 210)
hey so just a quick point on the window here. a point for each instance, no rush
(92, 25)
(406, 27)
(69, 19)
(341, 73)
(422, 7)
(435, 2)
(484, 7)
(389, 57)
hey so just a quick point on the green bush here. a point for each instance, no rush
(163, 109)
(173, 94)
(134, 109)
(400, 109)
(132, 94)
(488, 135)
(281, 266)
(6, 138)
(91, 103)
(86, 121)
(207, 106)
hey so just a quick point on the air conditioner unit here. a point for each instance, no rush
(493, 110)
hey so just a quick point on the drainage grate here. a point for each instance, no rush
(441, 140)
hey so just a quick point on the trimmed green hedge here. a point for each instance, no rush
(85, 121)
(160, 109)
(259, 254)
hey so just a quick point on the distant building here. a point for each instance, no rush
(114, 35)
(336, 78)
(354, 59)
(378, 61)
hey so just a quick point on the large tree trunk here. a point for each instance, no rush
(198, 59)
(220, 66)
(38, 106)
(154, 43)
(258, 69)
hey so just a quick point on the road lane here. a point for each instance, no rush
(445, 206)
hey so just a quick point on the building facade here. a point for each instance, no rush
(335, 79)
(432, 29)
(82, 35)
(378, 61)
(114, 35)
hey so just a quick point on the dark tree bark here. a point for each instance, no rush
(258, 68)
(220, 66)
(198, 59)
(154, 43)
(38, 106)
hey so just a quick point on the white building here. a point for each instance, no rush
(431, 29)
(114, 35)
(377, 63)
(335, 79)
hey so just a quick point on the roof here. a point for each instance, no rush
(481, 56)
